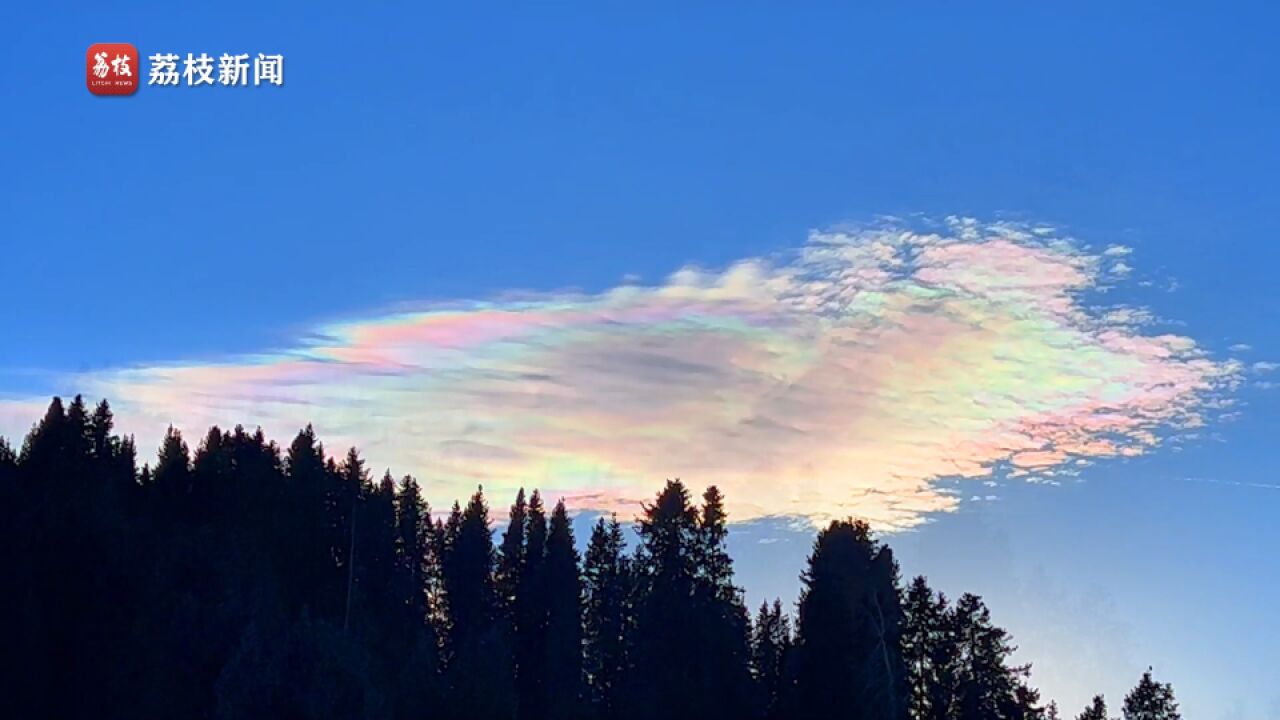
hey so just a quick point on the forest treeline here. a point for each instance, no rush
(242, 580)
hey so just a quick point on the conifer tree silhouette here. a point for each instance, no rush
(511, 553)
(479, 670)
(608, 615)
(770, 651)
(564, 688)
(242, 581)
(530, 613)
(930, 651)
(1097, 710)
(1151, 700)
(848, 656)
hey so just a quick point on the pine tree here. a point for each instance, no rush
(608, 583)
(724, 625)
(986, 685)
(8, 466)
(100, 426)
(172, 478)
(849, 622)
(530, 613)
(44, 455)
(344, 534)
(1097, 710)
(1151, 700)
(211, 469)
(1026, 701)
(511, 554)
(79, 443)
(415, 549)
(479, 669)
(664, 669)
(888, 689)
(114, 458)
(770, 646)
(929, 651)
(306, 545)
(715, 568)
(375, 605)
(468, 571)
(418, 685)
(690, 647)
(563, 659)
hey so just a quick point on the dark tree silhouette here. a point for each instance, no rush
(724, 624)
(479, 668)
(530, 613)
(415, 551)
(415, 605)
(848, 652)
(240, 581)
(1151, 700)
(511, 554)
(986, 686)
(564, 688)
(1097, 710)
(171, 480)
(608, 617)
(344, 536)
(770, 651)
(690, 647)
(930, 651)
(305, 542)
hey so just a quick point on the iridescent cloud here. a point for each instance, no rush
(855, 376)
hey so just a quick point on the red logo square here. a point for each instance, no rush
(112, 69)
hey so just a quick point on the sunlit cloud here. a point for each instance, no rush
(863, 374)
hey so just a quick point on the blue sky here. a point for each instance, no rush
(428, 155)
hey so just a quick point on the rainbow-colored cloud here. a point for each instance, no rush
(849, 378)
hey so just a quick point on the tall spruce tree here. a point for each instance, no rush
(306, 544)
(415, 549)
(171, 480)
(848, 658)
(770, 648)
(375, 608)
(530, 613)
(564, 687)
(606, 625)
(350, 483)
(479, 669)
(724, 625)
(986, 685)
(418, 682)
(664, 669)
(511, 553)
(930, 651)
(687, 601)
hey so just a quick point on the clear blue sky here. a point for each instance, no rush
(418, 154)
